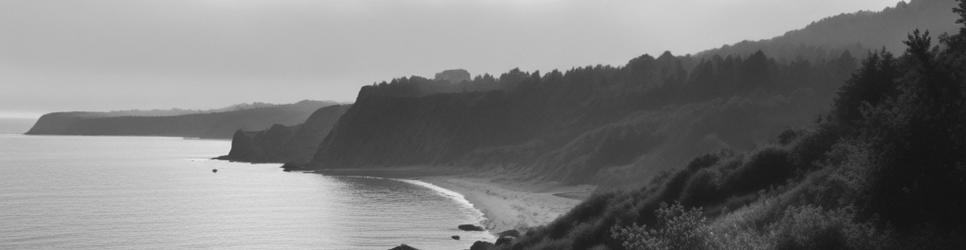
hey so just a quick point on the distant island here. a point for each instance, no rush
(211, 124)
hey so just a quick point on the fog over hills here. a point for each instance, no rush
(856, 32)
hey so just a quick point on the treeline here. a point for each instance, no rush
(885, 168)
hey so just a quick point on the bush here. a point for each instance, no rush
(811, 227)
(677, 228)
(769, 166)
(701, 189)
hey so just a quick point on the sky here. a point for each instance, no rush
(100, 55)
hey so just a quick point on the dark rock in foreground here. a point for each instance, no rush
(511, 233)
(404, 247)
(481, 245)
(505, 240)
(470, 227)
(291, 166)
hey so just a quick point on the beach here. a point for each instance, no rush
(506, 203)
(509, 205)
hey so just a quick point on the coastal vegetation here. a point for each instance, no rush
(883, 169)
(616, 126)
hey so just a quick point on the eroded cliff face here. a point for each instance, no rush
(214, 124)
(283, 144)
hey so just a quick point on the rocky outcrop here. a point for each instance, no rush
(453, 76)
(216, 124)
(470, 227)
(509, 233)
(403, 247)
(282, 144)
(481, 245)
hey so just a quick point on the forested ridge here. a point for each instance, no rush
(607, 124)
(569, 125)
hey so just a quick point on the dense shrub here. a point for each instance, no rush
(677, 228)
(768, 166)
(811, 227)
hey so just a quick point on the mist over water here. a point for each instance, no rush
(15, 125)
(160, 193)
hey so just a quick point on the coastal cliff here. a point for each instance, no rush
(216, 124)
(282, 144)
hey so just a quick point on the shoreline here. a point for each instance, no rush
(505, 204)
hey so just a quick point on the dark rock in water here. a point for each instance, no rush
(511, 232)
(505, 240)
(455, 237)
(291, 166)
(481, 245)
(470, 227)
(215, 170)
(403, 247)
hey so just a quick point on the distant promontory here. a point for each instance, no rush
(211, 124)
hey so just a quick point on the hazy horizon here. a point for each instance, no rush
(119, 55)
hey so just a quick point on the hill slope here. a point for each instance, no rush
(884, 169)
(856, 32)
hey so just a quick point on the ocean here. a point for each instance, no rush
(76, 192)
(15, 125)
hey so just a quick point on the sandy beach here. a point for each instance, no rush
(513, 205)
(507, 204)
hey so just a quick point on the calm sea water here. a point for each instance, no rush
(15, 125)
(70, 192)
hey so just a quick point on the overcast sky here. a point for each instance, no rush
(126, 54)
